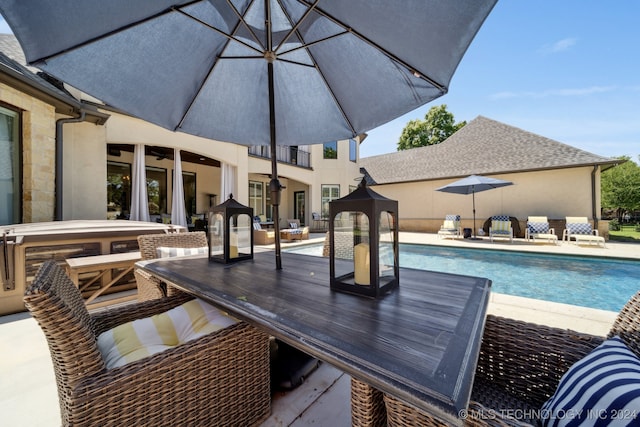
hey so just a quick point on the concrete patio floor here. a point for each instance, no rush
(28, 395)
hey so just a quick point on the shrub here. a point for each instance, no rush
(614, 225)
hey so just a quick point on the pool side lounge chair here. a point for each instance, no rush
(538, 229)
(263, 236)
(450, 227)
(579, 228)
(519, 369)
(218, 378)
(501, 227)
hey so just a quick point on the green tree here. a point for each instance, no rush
(620, 187)
(438, 125)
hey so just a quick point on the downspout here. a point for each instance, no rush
(593, 197)
(59, 163)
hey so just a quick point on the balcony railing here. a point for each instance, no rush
(285, 154)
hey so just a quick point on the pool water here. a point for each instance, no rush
(600, 283)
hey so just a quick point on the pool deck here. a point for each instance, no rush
(28, 395)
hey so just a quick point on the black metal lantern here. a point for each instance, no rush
(363, 243)
(230, 233)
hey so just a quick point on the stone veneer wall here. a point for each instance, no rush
(38, 154)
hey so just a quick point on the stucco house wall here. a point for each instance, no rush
(556, 194)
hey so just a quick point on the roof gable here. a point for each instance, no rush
(482, 147)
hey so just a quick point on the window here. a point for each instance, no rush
(157, 190)
(118, 190)
(353, 150)
(331, 150)
(10, 167)
(329, 193)
(256, 197)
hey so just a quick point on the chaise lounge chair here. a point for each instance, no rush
(538, 229)
(450, 227)
(501, 227)
(579, 228)
(199, 376)
(519, 369)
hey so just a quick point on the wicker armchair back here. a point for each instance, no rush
(150, 287)
(219, 379)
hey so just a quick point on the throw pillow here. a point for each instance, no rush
(538, 227)
(601, 389)
(166, 252)
(257, 226)
(136, 340)
(293, 225)
(579, 228)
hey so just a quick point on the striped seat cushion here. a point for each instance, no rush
(579, 228)
(166, 252)
(601, 389)
(538, 227)
(500, 227)
(135, 340)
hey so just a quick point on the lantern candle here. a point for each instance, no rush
(361, 262)
(233, 245)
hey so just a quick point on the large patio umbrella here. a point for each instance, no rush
(253, 72)
(471, 185)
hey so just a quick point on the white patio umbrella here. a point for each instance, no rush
(178, 211)
(139, 198)
(253, 72)
(471, 185)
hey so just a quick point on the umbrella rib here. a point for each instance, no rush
(294, 29)
(110, 33)
(320, 73)
(222, 33)
(393, 57)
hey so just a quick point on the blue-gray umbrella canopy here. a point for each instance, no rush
(253, 72)
(471, 185)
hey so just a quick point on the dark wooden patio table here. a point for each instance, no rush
(419, 343)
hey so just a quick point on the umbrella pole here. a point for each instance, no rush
(274, 185)
(473, 196)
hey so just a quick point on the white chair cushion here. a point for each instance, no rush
(135, 340)
(603, 387)
(167, 252)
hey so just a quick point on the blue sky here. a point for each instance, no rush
(568, 70)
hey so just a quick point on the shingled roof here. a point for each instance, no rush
(482, 147)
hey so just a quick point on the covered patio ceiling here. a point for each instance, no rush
(164, 153)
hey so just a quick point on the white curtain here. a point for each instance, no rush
(178, 211)
(228, 182)
(139, 199)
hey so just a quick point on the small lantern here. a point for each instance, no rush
(363, 243)
(230, 234)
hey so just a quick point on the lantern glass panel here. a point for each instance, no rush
(240, 226)
(386, 252)
(216, 233)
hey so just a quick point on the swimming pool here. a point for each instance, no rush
(600, 283)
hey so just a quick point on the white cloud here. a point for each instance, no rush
(559, 46)
(553, 92)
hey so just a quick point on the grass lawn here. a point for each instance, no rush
(626, 234)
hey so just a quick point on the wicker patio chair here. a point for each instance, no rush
(150, 287)
(218, 379)
(519, 368)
